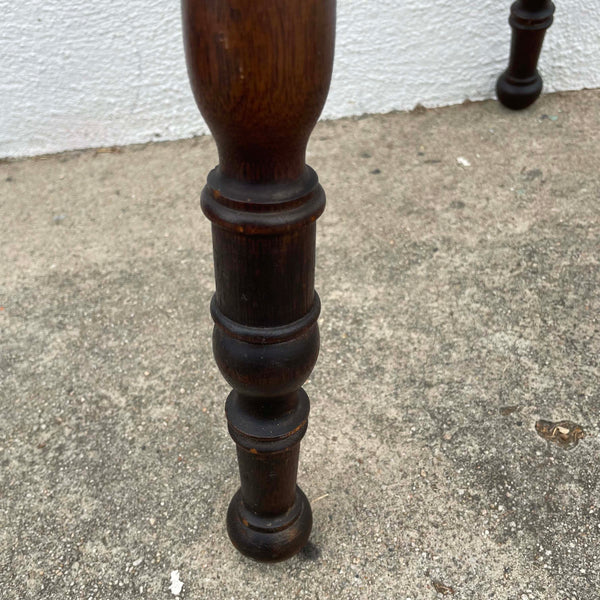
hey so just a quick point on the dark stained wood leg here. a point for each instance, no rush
(260, 72)
(520, 85)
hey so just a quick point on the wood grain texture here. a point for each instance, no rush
(260, 72)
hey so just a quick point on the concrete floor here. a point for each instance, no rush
(458, 265)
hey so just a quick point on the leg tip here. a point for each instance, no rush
(266, 538)
(517, 94)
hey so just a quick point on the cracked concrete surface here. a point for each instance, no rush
(458, 270)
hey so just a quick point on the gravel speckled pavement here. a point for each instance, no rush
(458, 265)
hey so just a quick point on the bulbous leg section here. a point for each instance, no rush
(517, 94)
(266, 538)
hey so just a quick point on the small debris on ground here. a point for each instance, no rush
(440, 588)
(564, 433)
(463, 162)
(176, 584)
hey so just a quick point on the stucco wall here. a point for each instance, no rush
(77, 74)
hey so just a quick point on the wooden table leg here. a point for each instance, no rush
(520, 85)
(260, 72)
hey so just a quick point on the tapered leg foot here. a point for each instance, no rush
(269, 539)
(521, 85)
(517, 94)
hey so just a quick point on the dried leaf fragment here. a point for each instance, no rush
(564, 433)
(443, 589)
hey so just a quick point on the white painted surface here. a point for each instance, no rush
(76, 74)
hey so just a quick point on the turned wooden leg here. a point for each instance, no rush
(520, 85)
(260, 72)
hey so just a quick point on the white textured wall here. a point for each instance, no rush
(75, 73)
